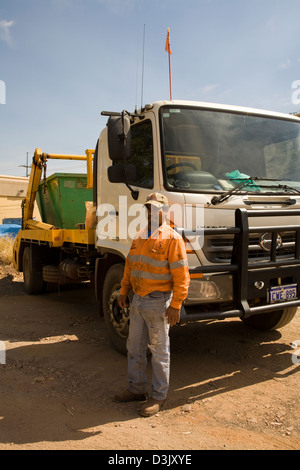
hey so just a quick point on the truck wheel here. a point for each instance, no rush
(51, 274)
(271, 320)
(116, 320)
(33, 281)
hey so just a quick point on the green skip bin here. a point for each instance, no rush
(61, 199)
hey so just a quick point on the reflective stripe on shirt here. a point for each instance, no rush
(147, 275)
(148, 260)
(179, 264)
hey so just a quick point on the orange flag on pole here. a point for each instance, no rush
(168, 50)
(168, 43)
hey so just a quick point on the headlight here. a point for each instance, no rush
(203, 290)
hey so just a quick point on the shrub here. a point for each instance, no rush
(6, 249)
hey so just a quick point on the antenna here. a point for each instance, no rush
(137, 74)
(142, 93)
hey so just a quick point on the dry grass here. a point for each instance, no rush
(6, 249)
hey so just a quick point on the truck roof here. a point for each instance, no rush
(221, 107)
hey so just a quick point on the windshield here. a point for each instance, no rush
(213, 150)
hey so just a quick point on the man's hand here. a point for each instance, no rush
(173, 315)
(122, 301)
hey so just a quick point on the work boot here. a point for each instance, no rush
(127, 396)
(151, 407)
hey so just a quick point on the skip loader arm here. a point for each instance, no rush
(38, 163)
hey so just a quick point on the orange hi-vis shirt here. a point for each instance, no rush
(158, 263)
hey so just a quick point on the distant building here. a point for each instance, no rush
(12, 191)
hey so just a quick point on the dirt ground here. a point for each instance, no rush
(231, 387)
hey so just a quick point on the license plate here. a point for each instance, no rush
(282, 293)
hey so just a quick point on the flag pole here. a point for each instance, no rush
(170, 77)
(168, 50)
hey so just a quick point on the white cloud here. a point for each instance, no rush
(5, 34)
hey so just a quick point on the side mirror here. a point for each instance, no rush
(119, 141)
(122, 173)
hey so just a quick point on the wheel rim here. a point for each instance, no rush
(118, 317)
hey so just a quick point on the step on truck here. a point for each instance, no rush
(232, 179)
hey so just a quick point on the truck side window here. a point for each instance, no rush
(142, 153)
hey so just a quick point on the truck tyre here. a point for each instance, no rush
(271, 320)
(33, 281)
(116, 320)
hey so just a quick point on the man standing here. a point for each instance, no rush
(157, 271)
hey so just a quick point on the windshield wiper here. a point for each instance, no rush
(217, 199)
(286, 187)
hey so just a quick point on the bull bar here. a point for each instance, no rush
(244, 272)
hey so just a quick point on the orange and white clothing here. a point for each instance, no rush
(157, 263)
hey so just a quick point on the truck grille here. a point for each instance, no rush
(218, 248)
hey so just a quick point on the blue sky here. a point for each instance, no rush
(64, 61)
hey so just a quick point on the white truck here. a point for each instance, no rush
(232, 178)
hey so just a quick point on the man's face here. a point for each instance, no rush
(155, 217)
